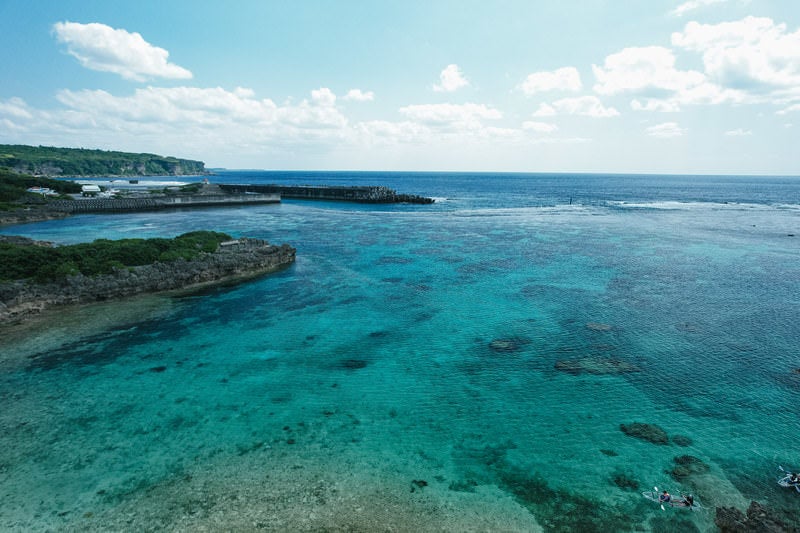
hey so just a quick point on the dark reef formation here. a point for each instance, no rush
(237, 259)
(758, 519)
(649, 432)
(687, 466)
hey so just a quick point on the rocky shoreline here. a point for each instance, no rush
(26, 215)
(242, 258)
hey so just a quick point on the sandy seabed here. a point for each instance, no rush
(273, 489)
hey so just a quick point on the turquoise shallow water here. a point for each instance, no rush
(448, 344)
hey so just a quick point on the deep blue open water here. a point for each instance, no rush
(465, 365)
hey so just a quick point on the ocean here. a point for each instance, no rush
(531, 352)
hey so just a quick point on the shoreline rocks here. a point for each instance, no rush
(243, 258)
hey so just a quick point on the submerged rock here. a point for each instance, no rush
(758, 519)
(688, 465)
(352, 364)
(509, 345)
(649, 432)
(681, 440)
(626, 482)
(595, 365)
(597, 326)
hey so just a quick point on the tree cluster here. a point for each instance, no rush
(44, 264)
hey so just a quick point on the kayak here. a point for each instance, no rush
(677, 502)
(784, 482)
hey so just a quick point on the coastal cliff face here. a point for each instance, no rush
(55, 161)
(238, 259)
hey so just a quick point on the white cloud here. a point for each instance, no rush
(649, 70)
(358, 95)
(738, 132)
(665, 130)
(461, 116)
(655, 104)
(154, 117)
(589, 106)
(323, 96)
(691, 5)
(451, 79)
(753, 55)
(539, 127)
(15, 108)
(564, 79)
(100, 47)
(791, 108)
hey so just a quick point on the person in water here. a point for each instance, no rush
(687, 500)
(665, 497)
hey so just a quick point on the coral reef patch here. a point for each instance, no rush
(648, 432)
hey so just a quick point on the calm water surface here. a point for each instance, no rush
(478, 355)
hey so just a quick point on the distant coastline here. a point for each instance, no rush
(54, 162)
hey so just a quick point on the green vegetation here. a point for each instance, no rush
(50, 161)
(44, 264)
(13, 188)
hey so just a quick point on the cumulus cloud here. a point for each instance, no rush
(451, 116)
(154, 118)
(649, 69)
(650, 72)
(451, 79)
(103, 48)
(691, 5)
(358, 95)
(754, 55)
(323, 96)
(665, 130)
(655, 104)
(539, 127)
(562, 79)
(589, 106)
(738, 132)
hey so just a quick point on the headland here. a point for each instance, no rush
(232, 260)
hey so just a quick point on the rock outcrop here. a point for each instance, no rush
(758, 519)
(648, 432)
(236, 259)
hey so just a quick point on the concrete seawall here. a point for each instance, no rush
(363, 194)
(95, 205)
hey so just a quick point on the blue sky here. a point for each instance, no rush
(655, 86)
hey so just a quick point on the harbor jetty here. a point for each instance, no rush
(113, 205)
(359, 194)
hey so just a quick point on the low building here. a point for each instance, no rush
(90, 190)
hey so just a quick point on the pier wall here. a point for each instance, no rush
(95, 205)
(360, 194)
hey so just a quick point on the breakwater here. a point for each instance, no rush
(360, 194)
(96, 205)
